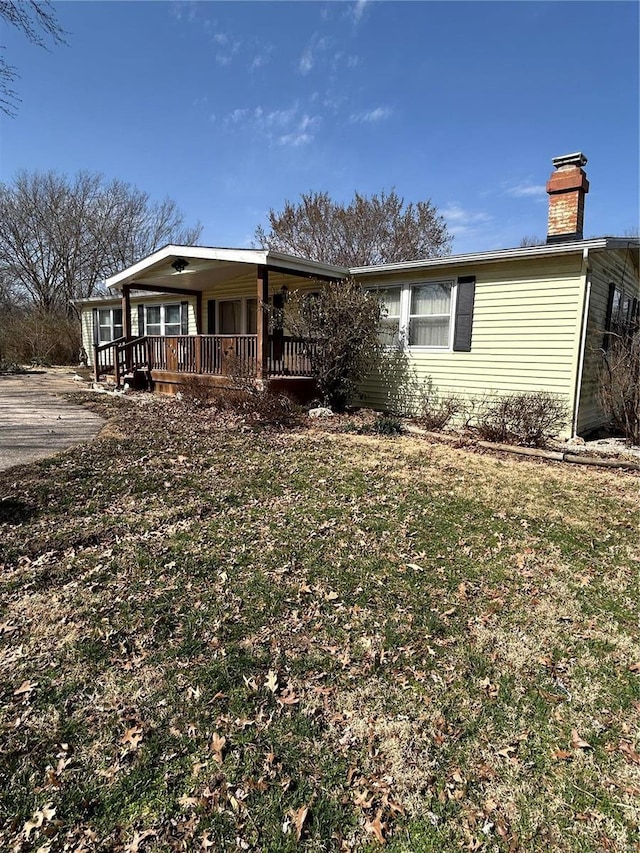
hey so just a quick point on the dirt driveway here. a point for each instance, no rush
(35, 422)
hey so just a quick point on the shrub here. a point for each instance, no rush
(196, 392)
(257, 406)
(383, 424)
(340, 325)
(619, 385)
(529, 419)
(436, 410)
(387, 425)
(40, 338)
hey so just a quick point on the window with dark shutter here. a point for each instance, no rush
(464, 314)
(184, 318)
(95, 325)
(140, 320)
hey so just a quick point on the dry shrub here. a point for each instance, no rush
(32, 336)
(258, 405)
(436, 410)
(528, 419)
(619, 385)
(196, 392)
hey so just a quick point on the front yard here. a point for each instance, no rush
(226, 638)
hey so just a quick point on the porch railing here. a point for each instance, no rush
(104, 357)
(214, 355)
(289, 356)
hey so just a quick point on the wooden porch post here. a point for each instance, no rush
(126, 329)
(263, 324)
(199, 312)
(126, 312)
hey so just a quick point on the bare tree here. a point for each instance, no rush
(37, 21)
(62, 236)
(529, 241)
(373, 229)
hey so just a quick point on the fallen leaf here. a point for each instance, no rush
(25, 687)
(577, 742)
(298, 818)
(376, 827)
(629, 752)
(562, 755)
(217, 745)
(271, 682)
(132, 737)
(138, 837)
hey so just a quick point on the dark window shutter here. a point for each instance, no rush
(184, 318)
(211, 316)
(464, 314)
(608, 318)
(140, 320)
(95, 326)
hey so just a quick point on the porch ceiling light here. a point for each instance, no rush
(179, 264)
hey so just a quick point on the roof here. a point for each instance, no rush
(157, 267)
(521, 253)
(218, 264)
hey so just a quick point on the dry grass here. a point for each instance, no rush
(213, 634)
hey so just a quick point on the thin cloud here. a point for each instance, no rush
(377, 114)
(356, 11)
(306, 61)
(289, 127)
(527, 190)
(309, 56)
(461, 221)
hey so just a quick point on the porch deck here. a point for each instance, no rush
(204, 355)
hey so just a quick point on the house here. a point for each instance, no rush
(480, 324)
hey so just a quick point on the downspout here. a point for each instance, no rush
(583, 339)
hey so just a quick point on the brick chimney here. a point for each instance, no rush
(567, 188)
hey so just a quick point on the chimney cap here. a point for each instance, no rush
(578, 159)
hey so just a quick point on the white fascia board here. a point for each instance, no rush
(547, 250)
(291, 263)
(241, 256)
(259, 257)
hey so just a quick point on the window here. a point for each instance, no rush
(163, 319)
(238, 316)
(251, 316)
(433, 314)
(430, 315)
(109, 324)
(623, 313)
(230, 317)
(390, 299)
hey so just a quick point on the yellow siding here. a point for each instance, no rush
(619, 267)
(526, 329)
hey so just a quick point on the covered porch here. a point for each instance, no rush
(210, 336)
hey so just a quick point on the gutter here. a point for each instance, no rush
(583, 340)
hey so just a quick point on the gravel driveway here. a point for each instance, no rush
(35, 422)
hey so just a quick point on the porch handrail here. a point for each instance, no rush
(101, 363)
(131, 355)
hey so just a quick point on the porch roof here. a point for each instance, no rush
(207, 266)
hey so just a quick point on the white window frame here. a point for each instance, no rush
(405, 311)
(448, 347)
(163, 324)
(243, 313)
(111, 324)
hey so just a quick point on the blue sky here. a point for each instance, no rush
(231, 108)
